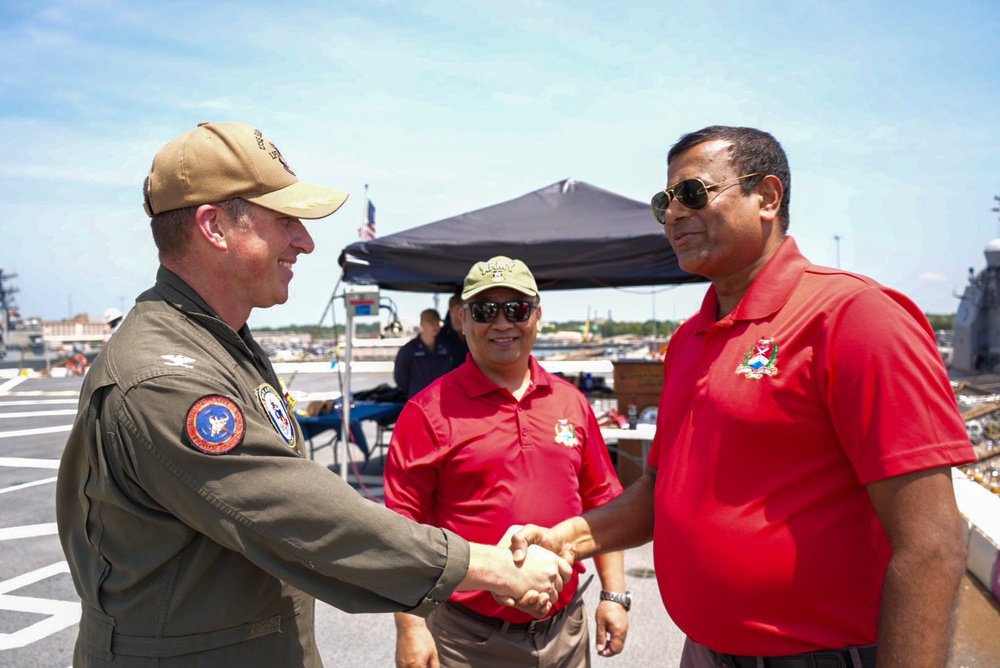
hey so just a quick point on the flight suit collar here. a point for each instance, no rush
(175, 291)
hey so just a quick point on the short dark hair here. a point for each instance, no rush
(430, 315)
(171, 232)
(750, 150)
(171, 229)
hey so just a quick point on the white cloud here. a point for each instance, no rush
(444, 107)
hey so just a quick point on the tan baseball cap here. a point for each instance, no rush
(499, 272)
(216, 162)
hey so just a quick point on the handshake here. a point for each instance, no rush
(525, 576)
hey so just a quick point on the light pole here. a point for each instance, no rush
(653, 292)
(836, 241)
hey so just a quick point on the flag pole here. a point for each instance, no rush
(364, 212)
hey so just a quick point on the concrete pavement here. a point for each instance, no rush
(39, 607)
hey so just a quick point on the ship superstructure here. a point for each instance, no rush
(16, 335)
(976, 345)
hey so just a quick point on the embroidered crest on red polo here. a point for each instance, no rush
(761, 360)
(566, 434)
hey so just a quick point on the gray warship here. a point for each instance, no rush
(974, 366)
(19, 339)
(975, 350)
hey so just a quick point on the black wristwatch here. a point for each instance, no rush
(625, 600)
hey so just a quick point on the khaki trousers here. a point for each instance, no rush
(464, 642)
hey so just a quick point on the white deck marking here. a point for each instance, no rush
(27, 414)
(29, 531)
(61, 614)
(26, 463)
(12, 383)
(34, 432)
(26, 485)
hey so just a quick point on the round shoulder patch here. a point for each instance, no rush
(215, 424)
(275, 409)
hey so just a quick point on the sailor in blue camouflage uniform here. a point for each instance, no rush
(196, 531)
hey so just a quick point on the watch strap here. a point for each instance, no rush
(624, 600)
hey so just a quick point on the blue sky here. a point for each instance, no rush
(888, 112)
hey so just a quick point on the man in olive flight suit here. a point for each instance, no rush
(196, 531)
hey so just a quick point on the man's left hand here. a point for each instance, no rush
(612, 627)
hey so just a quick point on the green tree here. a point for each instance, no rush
(946, 322)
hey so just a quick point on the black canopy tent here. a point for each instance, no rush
(571, 234)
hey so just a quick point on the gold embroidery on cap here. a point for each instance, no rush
(310, 203)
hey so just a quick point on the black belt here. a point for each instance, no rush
(534, 626)
(829, 658)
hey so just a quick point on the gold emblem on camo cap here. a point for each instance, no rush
(216, 162)
(499, 272)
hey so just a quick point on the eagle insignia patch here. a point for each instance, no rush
(215, 424)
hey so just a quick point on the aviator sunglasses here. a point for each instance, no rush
(692, 193)
(519, 311)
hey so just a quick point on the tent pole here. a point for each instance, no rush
(345, 400)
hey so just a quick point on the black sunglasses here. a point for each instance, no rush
(692, 193)
(519, 311)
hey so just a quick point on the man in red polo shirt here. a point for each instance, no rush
(799, 490)
(497, 442)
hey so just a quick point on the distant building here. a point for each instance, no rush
(77, 333)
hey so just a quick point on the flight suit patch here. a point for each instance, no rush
(215, 424)
(275, 409)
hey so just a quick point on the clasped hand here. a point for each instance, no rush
(543, 574)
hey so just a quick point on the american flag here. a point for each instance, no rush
(367, 229)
